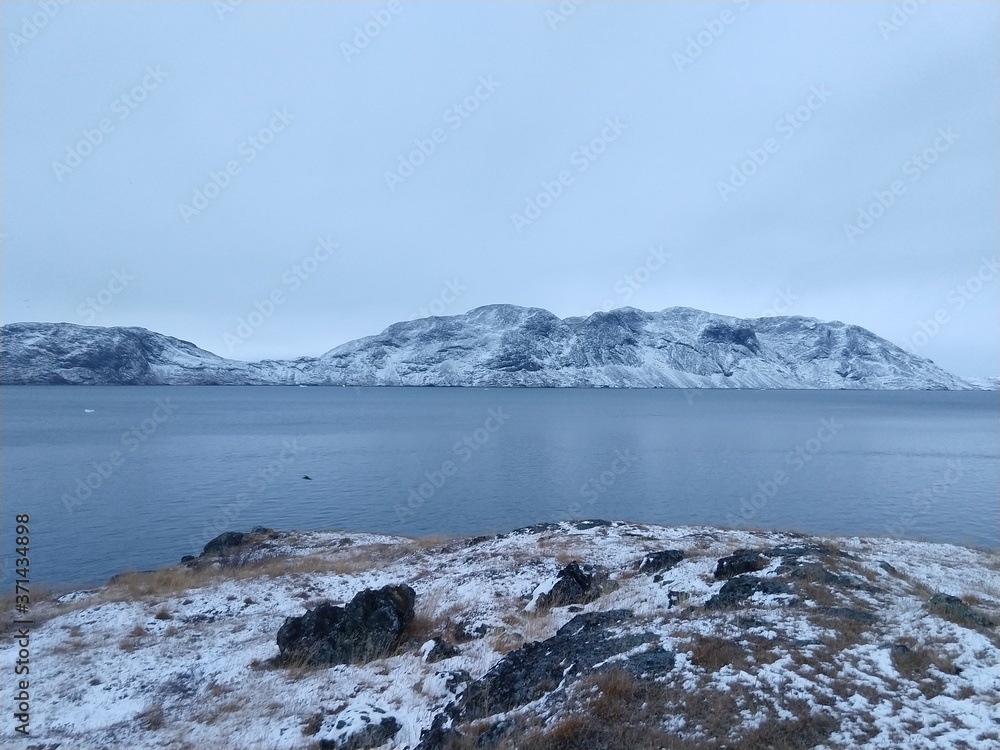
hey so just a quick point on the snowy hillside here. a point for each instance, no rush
(605, 635)
(503, 345)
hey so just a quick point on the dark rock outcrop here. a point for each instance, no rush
(741, 561)
(440, 650)
(587, 644)
(655, 562)
(370, 736)
(953, 608)
(225, 542)
(576, 584)
(527, 674)
(740, 588)
(464, 632)
(367, 628)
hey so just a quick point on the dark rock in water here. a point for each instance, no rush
(224, 542)
(657, 561)
(371, 736)
(741, 561)
(261, 530)
(953, 608)
(576, 584)
(187, 558)
(367, 628)
(441, 650)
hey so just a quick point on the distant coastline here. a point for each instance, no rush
(500, 346)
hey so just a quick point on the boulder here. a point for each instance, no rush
(657, 561)
(437, 649)
(953, 608)
(740, 562)
(225, 542)
(575, 584)
(369, 627)
(587, 644)
(463, 632)
(371, 734)
(736, 590)
(527, 674)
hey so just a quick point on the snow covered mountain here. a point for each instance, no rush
(502, 345)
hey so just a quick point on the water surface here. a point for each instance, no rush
(194, 461)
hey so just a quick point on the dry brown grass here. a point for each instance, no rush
(845, 632)
(613, 710)
(914, 662)
(312, 725)
(152, 718)
(712, 653)
(212, 713)
(432, 541)
(175, 580)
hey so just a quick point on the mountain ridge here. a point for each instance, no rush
(501, 345)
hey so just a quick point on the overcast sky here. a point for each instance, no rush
(342, 166)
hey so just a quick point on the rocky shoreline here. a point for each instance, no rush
(583, 634)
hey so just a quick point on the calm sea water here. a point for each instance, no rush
(118, 478)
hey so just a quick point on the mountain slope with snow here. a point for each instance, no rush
(503, 345)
